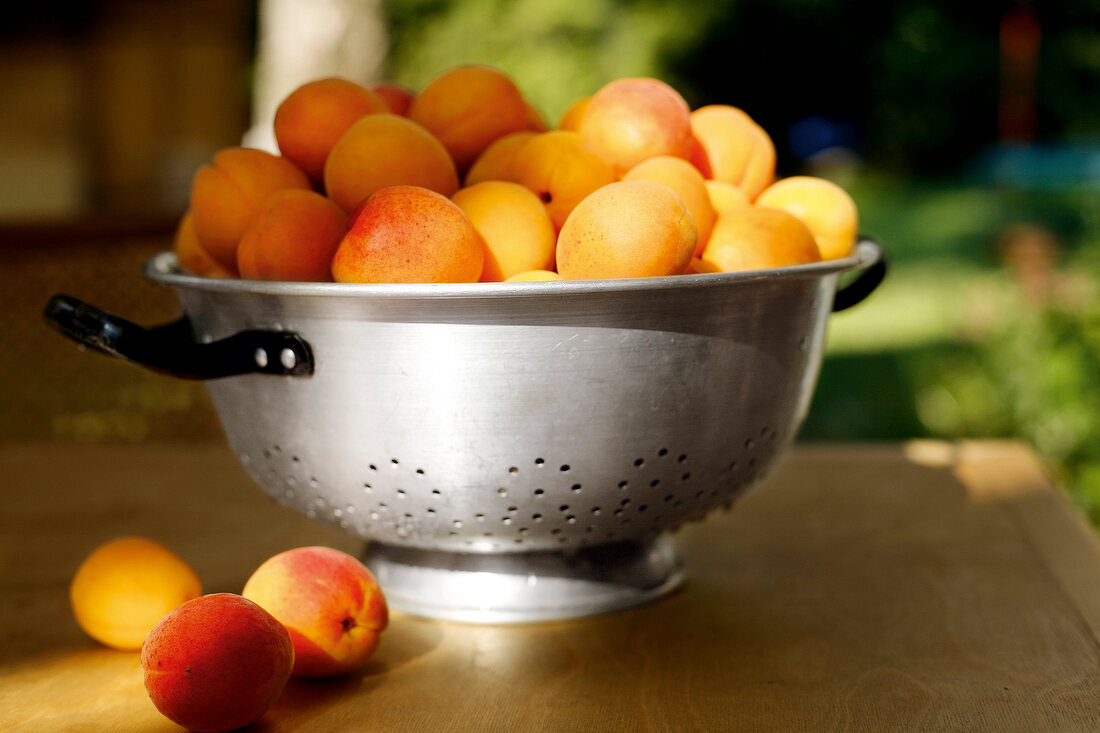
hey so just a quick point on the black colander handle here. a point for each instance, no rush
(172, 348)
(867, 281)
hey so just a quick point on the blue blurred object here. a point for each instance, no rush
(1048, 166)
(811, 135)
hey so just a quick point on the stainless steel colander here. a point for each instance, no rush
(511, 451)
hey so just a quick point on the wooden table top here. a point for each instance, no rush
(924, 586)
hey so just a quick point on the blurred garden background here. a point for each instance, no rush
(967, 133)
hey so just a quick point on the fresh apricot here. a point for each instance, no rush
(686, 180)
(574, 114)
(725, 196)
(823, 206)
(699, 266)
(518, 233)
(629, 120)
(397, 97)
(293, 238)
(386, 150)
(557, 167)
(468, 107)
(216, 663)
(125, 586)
(227, 193)
(496, 162)
(534, 276)
(627, 229)
(190, 255)
(738, 150)
(758, 237)
(312, 118)
(409, 234)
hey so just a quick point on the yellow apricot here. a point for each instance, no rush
(725, 196)
(496, 162)
(124, 587)
(627, 229)
(557, 167)
(686, 180)
(824, 207)
(738, 149)
(759, 237)
(518, 233)
(629, 120)
(534, 276)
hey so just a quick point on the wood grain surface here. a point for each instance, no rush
(923, 586)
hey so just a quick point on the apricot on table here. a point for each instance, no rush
(227, 193)
(688, 183)
(386, 150)
(329, 602)
(216, 663)
(557, 167)
(518, 233)
(759, 237)
(823, 206)
(293, 238)
(497, 162)
(190, 255)
(409, 234)
(310, 120)
(738, 149)
(125, 586)
(629, 120)
(627, 229)
(468, 107)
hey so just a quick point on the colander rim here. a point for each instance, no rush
(163, 267)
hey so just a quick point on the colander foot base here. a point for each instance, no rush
(525, 587)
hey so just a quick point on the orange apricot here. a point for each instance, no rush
(699, 266)
(725, 196)
(534, 276)
(758, 237)
(398, 98)
(227, 193)
(518, 233)
(686, 180)
(190, 255)
(386, 150)
(293, 238)
(557, 167)
(627, 229)
(824, 207)
(738, 150)
(312, 118)
(409, 234)
(125, 586)
(629, 120)
(496, 162)
(469, 107)
(574, 113)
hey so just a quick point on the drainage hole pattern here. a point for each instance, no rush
(536, 502)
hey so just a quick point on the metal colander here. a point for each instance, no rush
(534, 441)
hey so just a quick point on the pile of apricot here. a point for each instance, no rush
(464, 181)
